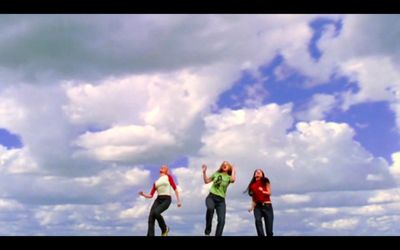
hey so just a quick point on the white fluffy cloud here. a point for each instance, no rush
(324, 160)
(302, 160)
(366, 51)
(318, 107)
(93, 98)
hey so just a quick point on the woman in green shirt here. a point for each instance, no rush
(221, 179)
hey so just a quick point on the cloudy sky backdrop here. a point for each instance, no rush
(92, 105)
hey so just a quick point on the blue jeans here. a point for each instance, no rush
(160, 205)
(263, 210)
(218, 203)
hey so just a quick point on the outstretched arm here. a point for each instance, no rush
(205, 178)
(149, 196)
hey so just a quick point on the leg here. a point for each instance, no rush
(209, 214)
(152, 219)
(164, 203)
(221, 211)
(269, 219)
(257, 217)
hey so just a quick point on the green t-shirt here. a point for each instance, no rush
(220, 184)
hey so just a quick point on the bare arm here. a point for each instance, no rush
(177, 198)
(253, 205)
(148, 196)
(205, 178)
(233, 176)
(267, 190)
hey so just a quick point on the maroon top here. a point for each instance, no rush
(258, 195)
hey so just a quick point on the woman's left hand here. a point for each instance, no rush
(179, 204)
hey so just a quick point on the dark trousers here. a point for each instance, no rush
(160, 205)
(265, 211)
(218, 203)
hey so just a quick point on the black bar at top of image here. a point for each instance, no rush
(199, 6)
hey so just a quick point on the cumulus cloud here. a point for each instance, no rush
(260, 138)
(318, 107)
(94, 98)
(364, 50)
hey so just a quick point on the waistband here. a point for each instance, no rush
(164, 196)
(263, 204)
(216, 196)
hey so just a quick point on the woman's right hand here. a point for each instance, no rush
(141, 193)
(250, 209)
(204, 168)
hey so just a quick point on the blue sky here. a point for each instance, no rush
(314, 100)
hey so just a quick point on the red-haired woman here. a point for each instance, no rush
(163, 187)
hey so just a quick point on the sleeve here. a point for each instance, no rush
(153, 190)
(212, 177)
(171, 181)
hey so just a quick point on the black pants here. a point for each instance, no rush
(160, 205)
(218, 203)
(265, 211)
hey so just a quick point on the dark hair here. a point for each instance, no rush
(264, 181)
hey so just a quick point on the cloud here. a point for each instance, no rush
(292, 198)
(395, 168)
(92, 47)
(341, 224)
(254, 138)
(15, 161)
(265, 138)
(94, 98)
(100, 188)
(366, 52)
(125, 143)
(318, 107)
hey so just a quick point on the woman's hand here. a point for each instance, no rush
(145, 195)
(179, 204)
(204, 168)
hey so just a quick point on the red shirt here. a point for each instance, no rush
(258, 195)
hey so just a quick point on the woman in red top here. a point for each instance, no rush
(260, 190)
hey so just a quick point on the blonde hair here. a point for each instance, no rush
(168, 171)
(229, 167)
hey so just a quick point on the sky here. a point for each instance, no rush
(92, 105)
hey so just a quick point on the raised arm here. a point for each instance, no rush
(205, 178)
(233, 176)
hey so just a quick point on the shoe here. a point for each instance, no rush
(166, 232)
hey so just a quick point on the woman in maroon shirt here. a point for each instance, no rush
(260, 190)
